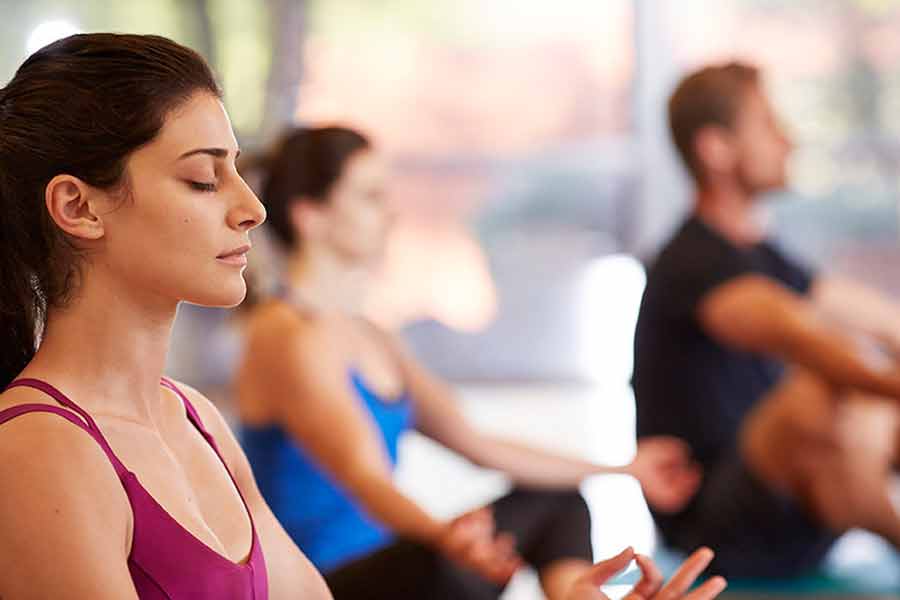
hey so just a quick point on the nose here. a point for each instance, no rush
(788, 143)
(786, 140)
(248, 212)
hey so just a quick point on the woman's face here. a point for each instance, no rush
(183, 233)
(356, 214)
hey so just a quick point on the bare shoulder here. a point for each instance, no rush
(65, 519)
(277, 327)
(44, 437)
(56, 478)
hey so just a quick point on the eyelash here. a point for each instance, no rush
(202, 187)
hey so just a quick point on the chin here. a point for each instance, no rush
(225, 295)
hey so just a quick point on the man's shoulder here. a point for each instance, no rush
(691, 246)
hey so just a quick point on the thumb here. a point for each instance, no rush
(601, 572)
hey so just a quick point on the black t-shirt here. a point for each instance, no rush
(686, 383)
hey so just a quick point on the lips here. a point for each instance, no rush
(237, 256)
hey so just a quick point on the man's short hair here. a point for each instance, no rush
(710, 96)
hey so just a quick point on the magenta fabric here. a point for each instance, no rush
(166, 560)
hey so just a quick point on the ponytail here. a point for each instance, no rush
(22, 308)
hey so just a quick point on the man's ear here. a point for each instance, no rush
(715, 150)
(70, 202)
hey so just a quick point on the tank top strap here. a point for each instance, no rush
(23, 409)
(192, 413)
(194, 418)
(83, 419)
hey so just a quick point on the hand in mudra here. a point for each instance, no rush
(651, 586)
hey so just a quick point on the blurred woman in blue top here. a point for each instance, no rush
(324, 396)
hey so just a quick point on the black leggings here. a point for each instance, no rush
(548, 526)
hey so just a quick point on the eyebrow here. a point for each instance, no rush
(214, 152)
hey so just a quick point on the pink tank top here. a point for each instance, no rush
(166, 560)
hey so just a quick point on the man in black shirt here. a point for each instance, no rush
(756, 362)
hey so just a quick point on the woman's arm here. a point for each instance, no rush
(64, 516)
(311, 396)
(291, 575)
(662, 465)
(309, 388)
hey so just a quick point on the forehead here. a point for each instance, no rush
(200, 122)
(754, 103)
(365, 164)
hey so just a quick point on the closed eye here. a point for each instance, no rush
(202, 186)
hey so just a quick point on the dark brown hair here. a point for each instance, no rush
(79, 106)
(710, 96)
(304, 165)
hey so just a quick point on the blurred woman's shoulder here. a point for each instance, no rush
(276, 324)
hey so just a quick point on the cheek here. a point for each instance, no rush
(373, 225)
(164, 234)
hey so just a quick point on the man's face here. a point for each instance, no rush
(761, 146)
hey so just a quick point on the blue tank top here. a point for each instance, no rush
(328, 525)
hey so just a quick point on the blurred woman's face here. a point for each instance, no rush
(356, 214)
(183, 233)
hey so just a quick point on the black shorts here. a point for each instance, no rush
(755, 531)
(548, 526)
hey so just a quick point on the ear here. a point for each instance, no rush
(71, 205)
(307, 218)
(715, 149)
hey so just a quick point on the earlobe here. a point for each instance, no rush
(714, 149)
(69, 203)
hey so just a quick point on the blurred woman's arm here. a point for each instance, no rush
(312, 399)
(662, 465)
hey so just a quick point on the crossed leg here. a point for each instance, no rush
(832, 452)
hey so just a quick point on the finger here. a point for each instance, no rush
(467, 535)
(479, 559)
(601, 572)
(688, 573)
(708, 590)
(505, 545)
(676, 443)
(485, 515)
(651, 578)
(494, 567)
(509, 567)
(482, 521)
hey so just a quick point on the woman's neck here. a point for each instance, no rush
(109, 345)
(321, 281)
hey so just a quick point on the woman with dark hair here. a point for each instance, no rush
(325, 394)
(120, 199)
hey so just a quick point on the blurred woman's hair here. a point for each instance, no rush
(304, 166)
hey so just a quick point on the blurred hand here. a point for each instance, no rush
(668, 476)
(650, 587)
(471, 541)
